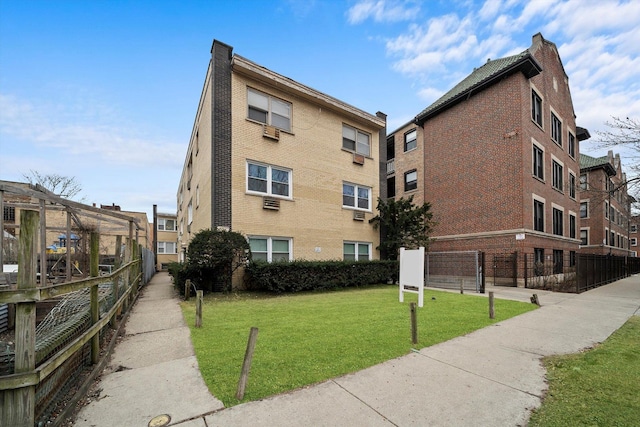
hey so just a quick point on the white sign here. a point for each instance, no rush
(412, 273)
(520, 236)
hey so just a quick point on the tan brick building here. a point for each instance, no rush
(293, 169)
(605, 207)
(166, 238)
(497, 158)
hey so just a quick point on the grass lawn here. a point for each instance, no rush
(311, 337)
(600, 387)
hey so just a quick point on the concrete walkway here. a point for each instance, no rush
(491, 377)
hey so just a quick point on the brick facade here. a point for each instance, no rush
(478, 158)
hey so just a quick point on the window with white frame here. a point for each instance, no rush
(355, 140)
(572, 185)
(410, 140)
(538, 162)
(270, 249)
(572, 226)
(356, 251)
(557, 170)
(269, 110)
(556, 129)
(268, 180)
(583, 181)
(572, 145)
(165, 224)
(557, 222)
(411, 180)
(356, 196)
(190, 213)
(167, 248)
(538, 215)
(634, 228)
(584, 237)
(634, 241)
(584, 209)
(536, 108)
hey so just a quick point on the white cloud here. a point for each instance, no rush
(83, 131)
(382, 11)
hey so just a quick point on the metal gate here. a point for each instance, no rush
(453, 270)
(505, 269)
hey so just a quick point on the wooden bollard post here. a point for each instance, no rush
(246, 365)
(492, 313)
(198, 309)
(462, 286)
(187, 289)
(414, 323)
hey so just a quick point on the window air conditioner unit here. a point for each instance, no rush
(358, 159)
(358, 216)
(270, 203)
(271, 132)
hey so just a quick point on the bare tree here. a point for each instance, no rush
(623, 132)
(63, 186)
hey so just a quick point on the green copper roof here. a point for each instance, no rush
(588, 163)
(481, 78)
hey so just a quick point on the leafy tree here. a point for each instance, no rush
(402, 224)
(63, 186)
(213, 256)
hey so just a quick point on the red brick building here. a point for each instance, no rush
(605, 207)
(498, 159)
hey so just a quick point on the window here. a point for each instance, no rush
(584, 209)
(572, 185)
(572, 226)
(269, 110)
(584, 237)
(356, 196)
(634, 228)
(538, 162)
(612, 239)
(9, 214)
(538, 259)
(410, 140)
(557, 175)
(536, 108)
(356, 251)
(557, 222)
(355, 140)
(572, 258)
(391, 186)
(190, 213)
(410, 180)
(167, 248)
(270, 249)
(197, 196)
(538, 215)
(556, 129)
(634, 241)
(572, 145)
(558, 261)
(166, 224)
(268, 180)
(583, 181)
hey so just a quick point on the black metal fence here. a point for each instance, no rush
(576, 272)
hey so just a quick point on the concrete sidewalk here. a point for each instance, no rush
(491, 377)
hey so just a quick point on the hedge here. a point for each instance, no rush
(296, 276)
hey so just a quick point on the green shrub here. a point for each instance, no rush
(296, 276)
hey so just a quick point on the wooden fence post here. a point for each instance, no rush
(95, 305)
(187, 289)
(492, 313)
(198, 309)
(414, 323)
(246, 365)
(19, 404)
(461, 286)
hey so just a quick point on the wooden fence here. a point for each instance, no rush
(40, 370)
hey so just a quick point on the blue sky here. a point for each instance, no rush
(107, 91)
